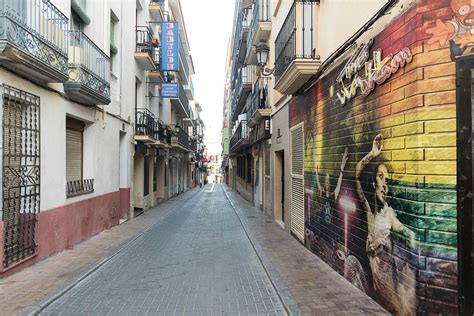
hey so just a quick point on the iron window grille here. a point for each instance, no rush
(21, 174)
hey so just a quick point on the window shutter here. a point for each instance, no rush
(297, 181)
(73, 155)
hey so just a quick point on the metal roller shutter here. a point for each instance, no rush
(297, 181)
(73, 154)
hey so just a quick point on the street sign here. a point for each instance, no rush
(169, 90)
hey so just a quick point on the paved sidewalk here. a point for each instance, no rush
(316, 287)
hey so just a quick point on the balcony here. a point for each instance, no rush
(89, 71)
(184, 73)
(259, 30)
(241, 34)
(295, 48)
(260, 106)
(157, 10)
(240, 139)
(180, 139)
(181, 103)
(242, 89)
(155, 76)
(144, 52)
(33, 39)
(149, 130)
(189, 89)
(261, 131)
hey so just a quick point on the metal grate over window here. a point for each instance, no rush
(21, 173)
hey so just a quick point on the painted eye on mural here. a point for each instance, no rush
(465, 9)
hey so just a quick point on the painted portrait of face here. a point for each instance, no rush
(464, 11)
(380, 183)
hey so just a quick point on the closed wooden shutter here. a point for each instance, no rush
(297, 181)
(74, 153)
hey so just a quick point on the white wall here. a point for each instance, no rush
(340, 19)
(105, 160)
(101, 144)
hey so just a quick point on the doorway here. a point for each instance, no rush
(464, 117)
(279, 187)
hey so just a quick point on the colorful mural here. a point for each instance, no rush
(380, 161)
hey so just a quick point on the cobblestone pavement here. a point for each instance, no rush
(195, 260)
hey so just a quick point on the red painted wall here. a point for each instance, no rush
(63, 227)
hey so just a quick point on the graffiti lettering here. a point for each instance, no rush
(377, 72)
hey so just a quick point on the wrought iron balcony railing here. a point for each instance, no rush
(160, 132)
(39, 30)
(296, 36)
(143, 38)
(89, 71)
(156, 57)
(260, 13)
(146, 53)
(240, 139)
(242, 89)
(144, 122)
(260, 132)
(184, 62)
(147, 125)
(239, 43)
(78, 187)
(259, 98)
(182, 102)
(181, 137)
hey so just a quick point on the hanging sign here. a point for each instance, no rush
(170, 45)
(169, 90)
(377, 70)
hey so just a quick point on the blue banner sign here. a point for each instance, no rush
(169, 90)
(169, 46)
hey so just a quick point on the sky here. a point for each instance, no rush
(209, 28)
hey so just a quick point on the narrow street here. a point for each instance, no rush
(205, 252)
(195, 260)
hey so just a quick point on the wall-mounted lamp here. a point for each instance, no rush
(262, 51)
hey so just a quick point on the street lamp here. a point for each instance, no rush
(262, 51)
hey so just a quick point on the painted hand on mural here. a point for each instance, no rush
(441, 32)
(377, 145)
(465, 39)
(345, 157)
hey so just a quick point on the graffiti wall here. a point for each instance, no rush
(380, 160)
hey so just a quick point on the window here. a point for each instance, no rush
(74, 146)
(146, 176)
(76, 22)
(166, 174)
(155, 175)
(75, 183)
(113, 45)
(249, 168)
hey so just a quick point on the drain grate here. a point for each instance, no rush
(269, 222)
(250, 216)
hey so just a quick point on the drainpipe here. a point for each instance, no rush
(350, 42)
